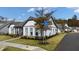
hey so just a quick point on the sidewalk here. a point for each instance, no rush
(2, 48)
(21, 46)
(13, 39)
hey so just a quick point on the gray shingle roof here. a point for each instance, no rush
(21, 24)
(18, 24)
(4, 24)
(59, 26)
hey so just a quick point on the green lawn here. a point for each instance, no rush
(53, 42)
(4, 37)
(13, 49)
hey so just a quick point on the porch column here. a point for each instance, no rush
(33, 31)
(28, 31)
(23, 31)
(14, 31)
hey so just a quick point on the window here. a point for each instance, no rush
(16, 30)
(31, 31)
(36, 33)
(50, 23)
(53, 29)
(56, 30)
(26, 31)
(12, 30)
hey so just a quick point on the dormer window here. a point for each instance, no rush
(49, 23)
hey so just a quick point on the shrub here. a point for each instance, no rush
(43, 42)
(13, 35)
(23, 37)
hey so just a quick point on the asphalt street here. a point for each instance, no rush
(69, 43)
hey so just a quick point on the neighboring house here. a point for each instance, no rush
(75, 29)
(29, 29)
(16, 28)
(60, 28)
(4, 27)
(67, 28)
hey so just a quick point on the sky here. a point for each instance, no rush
(22, 13)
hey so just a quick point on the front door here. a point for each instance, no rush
(37, 34)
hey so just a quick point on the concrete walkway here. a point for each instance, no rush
(21, 46)
(2, 48)
(13, 39)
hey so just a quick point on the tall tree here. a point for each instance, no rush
(74, 17)
(41, 18)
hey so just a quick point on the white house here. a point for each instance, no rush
(75, 29)
(67, 28)
(4, 27)
(16, 28)
(11, 29)
(60, 28)
(28, 28)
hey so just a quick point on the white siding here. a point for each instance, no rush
(39, 33)
(53, 25)
(28, 31)
(33, 31)
(31, 24)
(48, 33)
(10, 29)
(58, 31)
(24, 31)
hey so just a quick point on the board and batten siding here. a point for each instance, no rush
(11, 29)
(4, 29)
(53, 29)
(28, 29)
(19, 31)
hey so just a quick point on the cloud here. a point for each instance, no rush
(23, 15)
(75, 9)
(10, 19)
(39, 8)
(31, 10)
(47, 9)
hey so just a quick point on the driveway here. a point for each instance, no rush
(69, 43)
